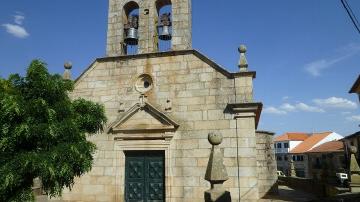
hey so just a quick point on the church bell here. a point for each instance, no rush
(164, 28)
(131, 36)
(165, 33)
(131, 30)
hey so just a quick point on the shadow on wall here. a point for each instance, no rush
(225, 197)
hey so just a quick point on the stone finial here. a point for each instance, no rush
(121, 107)
(142, 100)
(243, 64)
(216, 172)
(354, 166)
(67, 72)
(354, 171)
(292, 168)
(168, 105)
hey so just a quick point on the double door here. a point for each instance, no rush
(145, 176)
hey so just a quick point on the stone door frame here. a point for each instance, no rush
(121, 146)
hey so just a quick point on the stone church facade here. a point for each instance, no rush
(161, 105)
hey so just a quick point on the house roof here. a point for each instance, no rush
(294, 136)
(332, 146)
(352, 135)
(356, 87)
(310, 142)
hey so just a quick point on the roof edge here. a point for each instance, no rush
(265, 132)
(355, 86)
(201, 56)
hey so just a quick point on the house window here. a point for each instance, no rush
(301, 158)
(286, 145)
(300, 172)
(298, 158)
(279, 158)
(285, 158)
(278, 145)
(317, 164)
(274, 145)
(293, 157)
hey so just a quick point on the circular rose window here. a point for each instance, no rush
(144, 83)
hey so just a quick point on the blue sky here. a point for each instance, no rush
(306, 52)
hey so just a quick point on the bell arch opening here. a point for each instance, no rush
(131, 28)
(164, 25)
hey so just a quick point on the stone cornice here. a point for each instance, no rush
(265, 132)
(245, 109)
(219, 68)
(244, 74)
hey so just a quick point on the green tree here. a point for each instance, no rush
(43, 133)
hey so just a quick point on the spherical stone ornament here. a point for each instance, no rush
(215, 139)
(353, 149)
(68, 65)
(242, 49)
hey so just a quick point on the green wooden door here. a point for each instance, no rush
(145, 176)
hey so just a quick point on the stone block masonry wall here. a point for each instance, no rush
(199, 94)
(266, 163)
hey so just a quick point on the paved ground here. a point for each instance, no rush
(288, 194)
(285, 194)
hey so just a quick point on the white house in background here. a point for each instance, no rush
(301, 161)
(283, 145)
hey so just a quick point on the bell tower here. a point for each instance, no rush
(147, 26)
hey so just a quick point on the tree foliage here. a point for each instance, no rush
(43, 133)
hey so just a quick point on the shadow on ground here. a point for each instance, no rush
(288, 194)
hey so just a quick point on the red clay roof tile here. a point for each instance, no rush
(307, 144)
(332, 146)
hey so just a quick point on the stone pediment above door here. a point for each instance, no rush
(143, 121)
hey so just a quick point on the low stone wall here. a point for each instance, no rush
(266, 163)
(305, 184)
(347, 197)
(313, 186)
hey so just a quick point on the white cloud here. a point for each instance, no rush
(304, 107)
(335, 102)
(314, 68)
(18, 19)
(288, 107)
(16, 29)
(285, 97)
(274, 110)
(300, 107)
(354, 118)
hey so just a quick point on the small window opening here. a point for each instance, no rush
(146, 84)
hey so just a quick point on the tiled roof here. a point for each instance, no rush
(332, 146)
(307, 144)
(295, 136)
